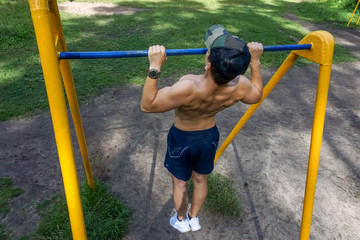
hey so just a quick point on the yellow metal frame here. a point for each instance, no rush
(51, 41)
(67, 77)
(352, 15)
(321, 53)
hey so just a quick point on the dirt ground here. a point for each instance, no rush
(270, 154)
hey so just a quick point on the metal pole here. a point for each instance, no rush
(169, 52)
(70, 90)
(315, 146)
(289, 61)
(50, 64)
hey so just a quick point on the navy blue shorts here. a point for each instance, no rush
(189, 151)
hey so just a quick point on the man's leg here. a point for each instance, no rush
(180, 197)
(199, 194)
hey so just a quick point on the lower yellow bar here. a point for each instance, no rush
(315, 146)
(75, 112)
(68, 80)
(289, 61)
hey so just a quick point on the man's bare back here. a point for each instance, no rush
(206, 100)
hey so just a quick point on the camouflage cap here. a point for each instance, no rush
(217, 36)
(229, 54)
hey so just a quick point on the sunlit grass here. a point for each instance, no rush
(336, 11)
(174, 24)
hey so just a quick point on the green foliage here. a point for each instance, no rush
(105, 216)
(349, 4)
(222, 196)
(338, 11)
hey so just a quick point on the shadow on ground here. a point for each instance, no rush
(270, 154)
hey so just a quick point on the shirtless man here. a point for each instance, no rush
(193, 139)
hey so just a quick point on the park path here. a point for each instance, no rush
(270, 155)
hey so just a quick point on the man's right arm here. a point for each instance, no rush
(167, 98)
(255, 92)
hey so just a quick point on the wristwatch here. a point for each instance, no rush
(153, 73)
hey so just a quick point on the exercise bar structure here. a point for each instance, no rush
(169, 52)
(353, 14)
(58, 76)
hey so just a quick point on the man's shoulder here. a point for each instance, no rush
(191, 77)
(189, 80)
(185, 83)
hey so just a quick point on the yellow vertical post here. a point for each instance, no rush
(358, 19)
(354, 13)
(67, 77)
(289, 61)
(315, 146)
(50, 65)
(323, 49)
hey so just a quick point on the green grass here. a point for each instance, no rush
(175, 24)
(222, 199)
(105, 216)
(322, 11)
(3, 234)
(7, 191)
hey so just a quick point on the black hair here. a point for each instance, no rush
(228, 63)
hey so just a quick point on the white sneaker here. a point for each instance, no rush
(182, 226)
(194, 222)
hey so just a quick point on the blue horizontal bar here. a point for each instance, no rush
(287, 47)
(169, 52)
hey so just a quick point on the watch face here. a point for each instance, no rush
(153, 73)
